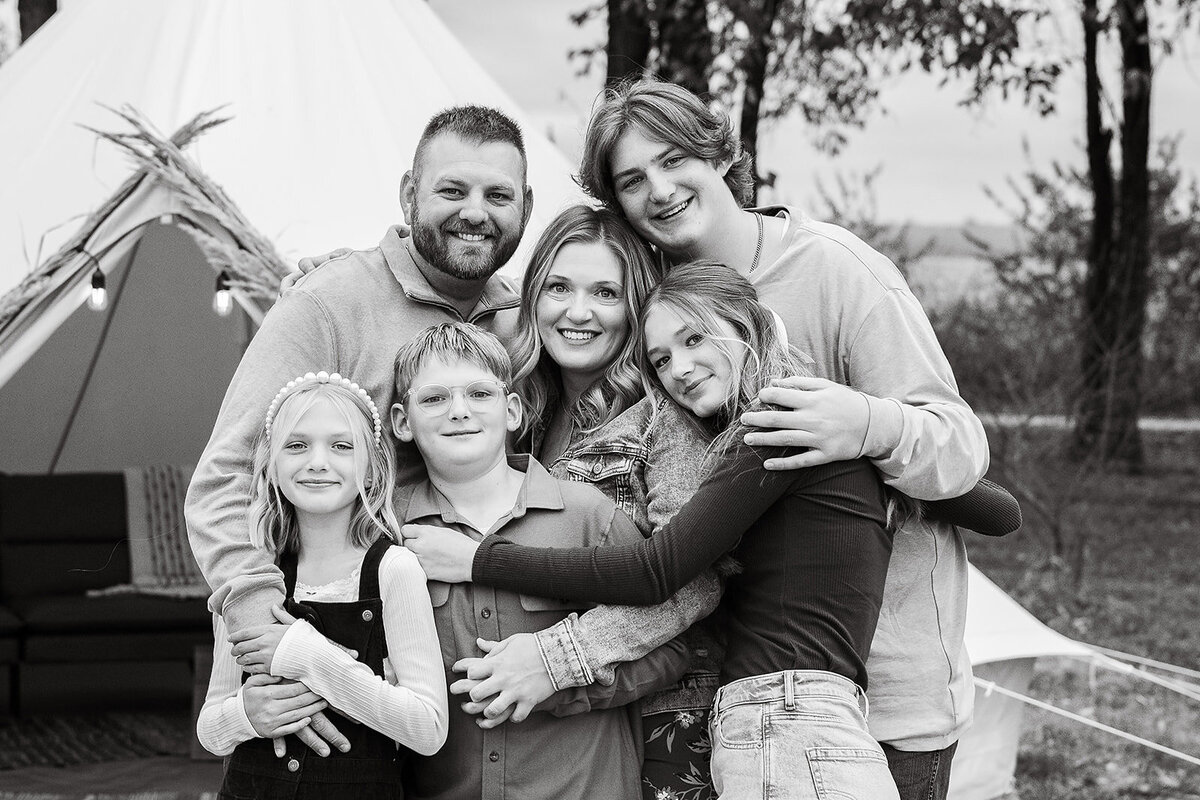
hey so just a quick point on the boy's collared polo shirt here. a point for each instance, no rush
(584, 756)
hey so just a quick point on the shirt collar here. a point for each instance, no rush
(538, 490)
(401, 257)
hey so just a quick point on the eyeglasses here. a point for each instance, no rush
(435, 399)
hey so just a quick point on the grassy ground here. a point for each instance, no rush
(1108, 559)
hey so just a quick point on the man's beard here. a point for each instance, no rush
(478, 262)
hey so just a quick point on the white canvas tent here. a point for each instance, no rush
(1004, 641)
(326, 101)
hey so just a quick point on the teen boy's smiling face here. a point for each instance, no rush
(465, 438)
(671, 197)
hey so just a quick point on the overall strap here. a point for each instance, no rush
(368, 580)
(287, 564)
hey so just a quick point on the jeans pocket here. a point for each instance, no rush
(739, 727)
(850, 773)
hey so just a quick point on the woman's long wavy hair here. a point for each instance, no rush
(273, 522)
(537, 376)
(705, 293)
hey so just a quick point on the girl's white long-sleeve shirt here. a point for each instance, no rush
(407, 705)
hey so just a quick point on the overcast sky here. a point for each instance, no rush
(936, 157)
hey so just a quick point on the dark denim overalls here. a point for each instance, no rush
(371, 770)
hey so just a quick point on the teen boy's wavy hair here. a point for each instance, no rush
(537, 375)
(663, 112)
(704, 293)
(272, 517)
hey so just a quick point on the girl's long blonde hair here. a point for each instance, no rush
(537, 377)
(704, 294)
(272, 518)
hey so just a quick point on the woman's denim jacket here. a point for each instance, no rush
(649, 460)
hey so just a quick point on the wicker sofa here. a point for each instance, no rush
(62, 649)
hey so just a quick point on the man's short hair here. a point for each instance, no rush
(450, 342)
(475, 124)
(664, 112)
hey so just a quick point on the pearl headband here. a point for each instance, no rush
(313, 379)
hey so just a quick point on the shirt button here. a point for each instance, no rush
(486, 614)
(368, 616)
(597, 469)
(293, 765)
(493, 756)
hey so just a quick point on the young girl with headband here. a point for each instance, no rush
(358, 629)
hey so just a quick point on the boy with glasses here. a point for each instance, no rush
(453, 403)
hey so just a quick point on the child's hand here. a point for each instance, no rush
(508, 682)
(445, 555)
(276, 707)
(255, 647)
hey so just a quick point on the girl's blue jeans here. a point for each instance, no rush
(796, 734)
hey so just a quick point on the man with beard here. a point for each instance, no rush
(467, 203)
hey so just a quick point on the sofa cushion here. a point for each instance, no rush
(113, 613)
(83, 506)
(29, 569)
(9, 649)
(52, 648)
(10, 624)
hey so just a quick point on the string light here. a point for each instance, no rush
(222, 297)
(98, 297)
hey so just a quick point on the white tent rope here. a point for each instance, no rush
(1149, 662)
(1184, 688)
(989, 687)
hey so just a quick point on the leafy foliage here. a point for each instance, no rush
(1035, 317)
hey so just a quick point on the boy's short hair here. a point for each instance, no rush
(665, 112)
(450, 342)
(474, 124)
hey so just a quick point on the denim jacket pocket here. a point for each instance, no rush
(594, 467)
(611, 472)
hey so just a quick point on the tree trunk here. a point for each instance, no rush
(684, 43)
(754, 70)
(1117, 283)
(628, 40)
(33, 14)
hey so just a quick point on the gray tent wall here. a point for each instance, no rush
(162, 369)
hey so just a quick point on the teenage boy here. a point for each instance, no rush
(452, 401)
(467, 203)
(672, 166)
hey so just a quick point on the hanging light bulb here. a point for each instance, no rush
(98, 298)
(222, 298)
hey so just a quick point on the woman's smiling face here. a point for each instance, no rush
(581, 313)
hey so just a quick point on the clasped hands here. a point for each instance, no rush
(510, 680)
(507, 683)
(277, 706)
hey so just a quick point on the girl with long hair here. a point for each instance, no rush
(359, 628)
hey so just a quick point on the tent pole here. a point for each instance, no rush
(87, 377)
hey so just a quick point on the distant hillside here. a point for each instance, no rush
(954, 265)
(956, 241)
